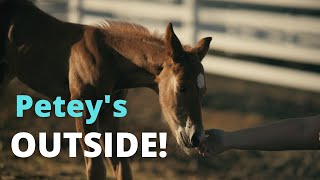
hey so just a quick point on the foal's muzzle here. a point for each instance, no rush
(195, 140)
(191, 137)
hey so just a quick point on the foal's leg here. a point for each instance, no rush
(107, 123)
(95, 167)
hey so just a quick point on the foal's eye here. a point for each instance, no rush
(182, 89)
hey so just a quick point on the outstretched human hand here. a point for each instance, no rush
(290, 134)
(213, 143)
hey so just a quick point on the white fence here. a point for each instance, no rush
(234, 30)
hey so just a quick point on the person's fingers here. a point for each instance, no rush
(203, 152)
(203, 149)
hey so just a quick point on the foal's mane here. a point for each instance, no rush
(131, 30)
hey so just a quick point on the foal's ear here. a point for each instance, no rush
(202, 47)
(173, 45)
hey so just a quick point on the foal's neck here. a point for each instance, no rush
(139, 59)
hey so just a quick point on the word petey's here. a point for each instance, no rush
(75, 107)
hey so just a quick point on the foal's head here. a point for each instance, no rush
(181, 88)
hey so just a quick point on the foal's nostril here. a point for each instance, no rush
(195, 141)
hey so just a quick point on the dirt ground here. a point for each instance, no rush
(230, 105)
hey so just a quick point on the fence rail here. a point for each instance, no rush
(308, 4)
(286, 36)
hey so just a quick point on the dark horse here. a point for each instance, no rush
(76, 61)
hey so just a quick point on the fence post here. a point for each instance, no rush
(74, 11)
(192, 19)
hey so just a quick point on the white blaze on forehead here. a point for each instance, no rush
(200, 81)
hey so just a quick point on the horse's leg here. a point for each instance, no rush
(107, 123)
(95, 167)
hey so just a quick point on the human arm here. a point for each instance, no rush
(290, 134)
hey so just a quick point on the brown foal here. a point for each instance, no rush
(75, 61)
